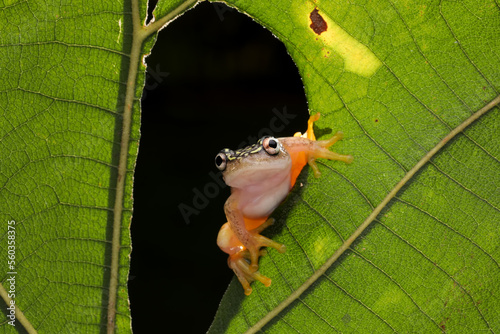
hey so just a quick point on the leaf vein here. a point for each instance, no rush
(434, 263)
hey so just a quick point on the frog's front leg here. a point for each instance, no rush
(320, 150)
(304, 148)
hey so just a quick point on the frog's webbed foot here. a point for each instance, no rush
(320, 150)
(245, 261)
(258, 241)
(241, 267)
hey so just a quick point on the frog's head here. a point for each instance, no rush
(260, 162)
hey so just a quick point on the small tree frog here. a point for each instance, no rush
(260, 177)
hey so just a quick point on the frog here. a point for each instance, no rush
(261, 176)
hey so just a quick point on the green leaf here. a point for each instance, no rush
(396, 78)
(69, 123)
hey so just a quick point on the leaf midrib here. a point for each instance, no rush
(139, 35)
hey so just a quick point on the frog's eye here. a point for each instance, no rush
(271, 145)
(221, 161)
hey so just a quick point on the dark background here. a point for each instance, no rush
(214, 78)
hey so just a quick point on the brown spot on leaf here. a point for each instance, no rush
(318, 24)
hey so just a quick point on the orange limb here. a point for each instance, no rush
(316, 149)
(241, 259)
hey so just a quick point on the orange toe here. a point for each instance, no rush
(245, 273)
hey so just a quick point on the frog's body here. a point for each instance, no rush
(260, 177)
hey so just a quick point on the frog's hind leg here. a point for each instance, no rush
(240, 258)
(238, 262)
(241, 261)
(250, 239)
